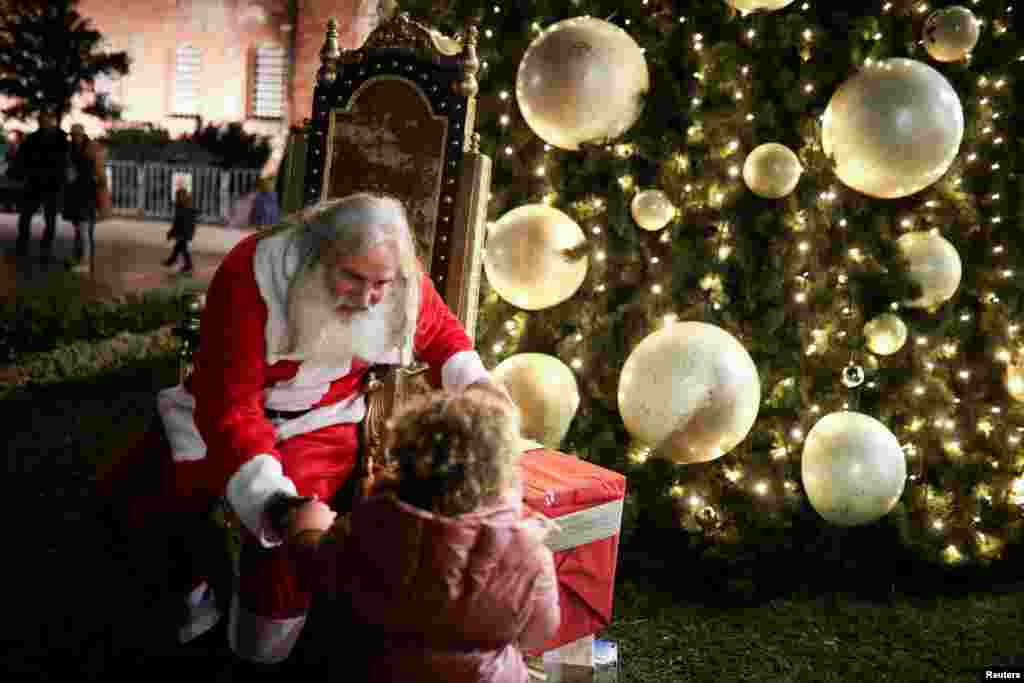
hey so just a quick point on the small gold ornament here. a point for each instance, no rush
(934, 265)
(853, 376)
(652, 209)
(747, 6)
(1015, 382)
(772, 171)
(886, 334)
(951, 33)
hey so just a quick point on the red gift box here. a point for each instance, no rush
(586, 502)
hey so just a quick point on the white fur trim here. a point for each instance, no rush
(306, 388)
(251, 487)
(275, 264)
(176, 407)
(261, 640)
(352, 409)
(462, 369)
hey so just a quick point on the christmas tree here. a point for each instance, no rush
(49, 54)
(795, 251)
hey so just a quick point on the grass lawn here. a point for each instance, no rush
(82, 607)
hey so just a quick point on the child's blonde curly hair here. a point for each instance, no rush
(449, 452)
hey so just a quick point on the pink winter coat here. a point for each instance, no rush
(446, 599)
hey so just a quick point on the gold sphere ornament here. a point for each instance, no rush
(691, 391)
(525, 260)
(652, 209)
(581, 80)
(893, 129)
(853, 376)
(1015, 382)
(545, 391)
(853, 468)
(951, 33)
(934, 265)
(747, 6)
(772, 171)
(885, 334)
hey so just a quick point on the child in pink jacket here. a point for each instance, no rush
(445, 579)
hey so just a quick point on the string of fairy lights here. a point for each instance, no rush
(961, 432)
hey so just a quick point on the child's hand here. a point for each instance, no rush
(314, 515)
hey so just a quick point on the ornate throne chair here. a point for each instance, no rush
(396, 116)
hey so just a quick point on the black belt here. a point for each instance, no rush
(284, 414)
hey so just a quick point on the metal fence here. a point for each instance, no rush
(147, 189)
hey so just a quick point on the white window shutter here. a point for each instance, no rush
(268, 84)
(187, 68)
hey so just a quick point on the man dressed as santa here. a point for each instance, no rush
(269, 418)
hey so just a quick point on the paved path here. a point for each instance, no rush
(128, 257)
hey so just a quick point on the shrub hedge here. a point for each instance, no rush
(57, 317)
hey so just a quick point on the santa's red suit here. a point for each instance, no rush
(222, 442)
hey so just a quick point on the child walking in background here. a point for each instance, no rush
(440, 572)
(183, 229)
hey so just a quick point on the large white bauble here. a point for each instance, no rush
(545, 390)
(691, 391)
(893, 129)
(523, 257)
(951, 33)
(934, 264)
(652, 209)
(1015, 381)
(772, 170)
(853, 468)
(747, 6)
(885, 334)
(581, 80)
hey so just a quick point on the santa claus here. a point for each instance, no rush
(269, 418)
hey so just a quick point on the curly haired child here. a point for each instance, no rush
(445, 577)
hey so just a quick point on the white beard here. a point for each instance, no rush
(322, 336)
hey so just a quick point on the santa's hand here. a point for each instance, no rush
(314, 515)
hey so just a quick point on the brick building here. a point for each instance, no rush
(253, 61)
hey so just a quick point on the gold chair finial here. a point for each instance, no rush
(469, 86)
(330, 53)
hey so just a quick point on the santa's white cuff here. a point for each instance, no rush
(462, 369)
(249, 490)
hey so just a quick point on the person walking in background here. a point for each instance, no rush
(266, 209)
(85, 175)
(41, 164)
(183, 229)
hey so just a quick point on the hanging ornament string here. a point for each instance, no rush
(852, 375)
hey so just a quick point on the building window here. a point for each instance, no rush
(187, 67)
(268, 83)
